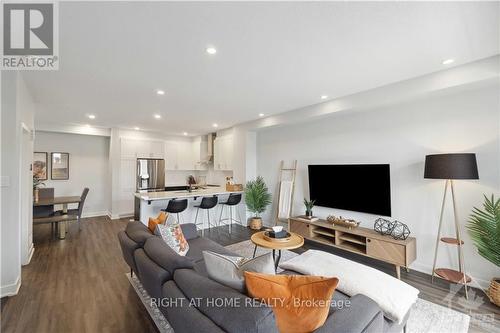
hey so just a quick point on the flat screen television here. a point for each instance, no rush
(356, 187)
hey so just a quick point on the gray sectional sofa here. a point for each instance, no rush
(186, 295)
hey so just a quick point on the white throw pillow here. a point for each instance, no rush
(172, 235)
(228, 270)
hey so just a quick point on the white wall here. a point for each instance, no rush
(16, 242)
(460, 121)
(88, 167)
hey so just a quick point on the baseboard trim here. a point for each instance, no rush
(119, 216)
(30, 255)
(95, 214)
(11, 289)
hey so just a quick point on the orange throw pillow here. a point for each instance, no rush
(300, 303)
(152, 222)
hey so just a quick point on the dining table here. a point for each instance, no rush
(60, 220)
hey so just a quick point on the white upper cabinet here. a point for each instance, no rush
(129, 148)
(132, 148)
(157, 149)
(223, 153)
(185, 157)
(181, 154)
(171, 162)
(199, 151)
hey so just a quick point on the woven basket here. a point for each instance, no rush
(234, 187)
(494, 291)
(255, 223)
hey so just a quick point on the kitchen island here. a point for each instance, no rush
(151, 203)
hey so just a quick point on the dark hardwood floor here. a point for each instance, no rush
(79, 284)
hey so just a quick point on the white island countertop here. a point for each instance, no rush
(167, 195)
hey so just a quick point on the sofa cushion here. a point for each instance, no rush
(189, 230)
(361, 315)
(172, 235)
(228, 270)
(138, 232)
(238, 316)
(164, 256)
(200, 244)
(183, 316)
(300, 303)
(128, 247)
(152, 276)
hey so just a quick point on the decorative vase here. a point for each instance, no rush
(309, 213)
(494, 291)
(255, 223)
(36, 195)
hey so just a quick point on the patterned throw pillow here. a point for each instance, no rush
(229, 270)
(171, 233)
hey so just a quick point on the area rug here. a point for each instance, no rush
(425, 317)
(158, 318)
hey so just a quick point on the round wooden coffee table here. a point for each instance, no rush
(294, 242)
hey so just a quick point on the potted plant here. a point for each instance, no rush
(309, 206)
(257, 198)
(484, 230)
(37, 182)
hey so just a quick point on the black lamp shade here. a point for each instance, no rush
(451, 166)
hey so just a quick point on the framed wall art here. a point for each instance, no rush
(40, 160)
(59, 166)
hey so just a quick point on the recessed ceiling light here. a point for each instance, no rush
(160, 92)
(261, 115)
(136, 128)
(215, 125)
(324, 97)
(211, 50)
(91, 116)
(185, 133)
(448, 61)
(157, 116)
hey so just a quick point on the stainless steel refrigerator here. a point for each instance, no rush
(150, 177)
(150, 174)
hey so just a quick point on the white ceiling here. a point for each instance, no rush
(271, 57)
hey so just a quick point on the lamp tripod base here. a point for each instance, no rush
(451, 275)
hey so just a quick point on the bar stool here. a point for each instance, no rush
(233, 200)
(176, 206)
(207, 203)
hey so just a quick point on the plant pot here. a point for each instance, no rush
(36, 196)
(494, 291)
(309, 213)
(255, 223)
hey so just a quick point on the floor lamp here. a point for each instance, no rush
(451, 167)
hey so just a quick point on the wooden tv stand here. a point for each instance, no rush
(363, 241)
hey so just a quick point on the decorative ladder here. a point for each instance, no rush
(292, 173)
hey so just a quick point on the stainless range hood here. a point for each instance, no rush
(210, 148)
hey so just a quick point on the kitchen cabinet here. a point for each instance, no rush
(199, 151)
(171, 156)
(179, 155)
(185, 158)
(133, 148)
(223, 153)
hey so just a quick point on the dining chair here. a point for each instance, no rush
(76, 214)
(45, 211)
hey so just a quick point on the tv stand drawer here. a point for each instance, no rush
(300, 228)
(386, 251)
